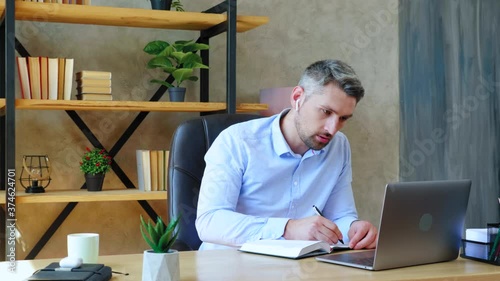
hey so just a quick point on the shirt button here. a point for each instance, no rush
(295, 183)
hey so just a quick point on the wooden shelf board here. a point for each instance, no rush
(130, 17)
(56, 196)
(2, 107)
(133, 106)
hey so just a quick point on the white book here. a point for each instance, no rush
(68, 79)
(53, 78)
(143, 170)
(290, 248)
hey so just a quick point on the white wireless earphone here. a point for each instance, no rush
(297, 104)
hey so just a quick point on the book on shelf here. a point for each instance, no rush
(24, 79)
(53, 70)
(44, 77)
(61, 75)
(93, 74)
(93, 83)
(143, 170)
(97, 97)
(68, 78)
(293, 249)
(153, 154)
(163, 169)
(34, 74)
(152, 169)
(94, 90)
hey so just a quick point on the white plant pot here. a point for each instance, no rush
(160, 266)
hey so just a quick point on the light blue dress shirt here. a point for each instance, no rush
(254, 183)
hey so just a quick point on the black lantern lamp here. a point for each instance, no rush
(35, 175)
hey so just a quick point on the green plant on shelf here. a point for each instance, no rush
(95, 161)
(177, 5)
(178, 59)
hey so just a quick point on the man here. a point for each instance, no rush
(262, 177)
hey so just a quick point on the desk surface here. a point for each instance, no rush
(234, 265)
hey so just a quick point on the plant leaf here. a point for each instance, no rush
(181, 43)
(170, 243)
(155, 47)
(192, 61)
(195, 47)
(146, 238)
(159, 61)
(167, 51)
(182, 74)
(173, 224)
(152, 233)
(160, 227)
(178, 56)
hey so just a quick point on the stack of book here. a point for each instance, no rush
(93, 85)
(45, 78)
(152, 169)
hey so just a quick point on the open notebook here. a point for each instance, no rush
(293, 249)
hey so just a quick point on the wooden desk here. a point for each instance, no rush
(224, 265)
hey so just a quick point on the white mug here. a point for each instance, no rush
(84, 246)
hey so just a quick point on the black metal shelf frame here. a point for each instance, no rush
(7, 122)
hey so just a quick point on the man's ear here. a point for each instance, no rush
(296, 97)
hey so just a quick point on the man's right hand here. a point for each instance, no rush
(313, 228)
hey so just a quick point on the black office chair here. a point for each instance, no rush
(190, 142)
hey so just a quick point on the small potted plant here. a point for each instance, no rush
(95, 164)
(179, 60)
(167, 4)
(160, 262)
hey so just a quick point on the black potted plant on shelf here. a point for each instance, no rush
(179, 60)
(167, 5)
(161, 262)
(95, 164)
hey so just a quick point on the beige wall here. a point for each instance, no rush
(363, 33)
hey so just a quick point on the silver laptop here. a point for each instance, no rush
(421, 223)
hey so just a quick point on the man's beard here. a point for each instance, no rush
(309, 141)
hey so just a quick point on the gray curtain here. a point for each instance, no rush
(450, 103)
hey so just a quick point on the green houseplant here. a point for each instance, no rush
(167, 5)
(161, 262)
(95, 164)
(179, 60)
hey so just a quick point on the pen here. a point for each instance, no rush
(320, 214)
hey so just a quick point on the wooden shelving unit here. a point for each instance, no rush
(64, 196)
(129, 17)
(214, 21)
(132, 106)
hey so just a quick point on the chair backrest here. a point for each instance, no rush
(190, 142)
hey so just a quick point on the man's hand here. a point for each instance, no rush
(312, 228)
(362, 235)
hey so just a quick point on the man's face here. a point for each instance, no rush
(322, 115)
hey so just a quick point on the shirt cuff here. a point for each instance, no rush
(344, 224)
(274, 228)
